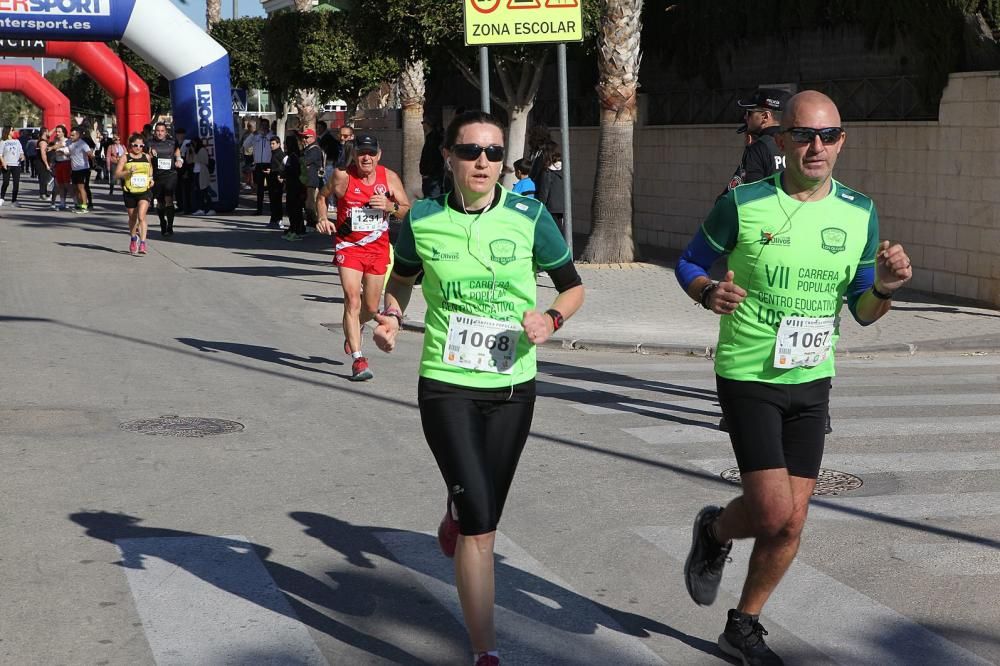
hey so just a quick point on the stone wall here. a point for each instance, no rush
(936, 184)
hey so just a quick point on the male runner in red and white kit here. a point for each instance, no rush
(367, 194)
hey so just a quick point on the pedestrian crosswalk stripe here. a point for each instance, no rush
(668, 406)
(677, 433)
(899, 462)
(209, 600)
(950, 559)
(924, 507)
(540, 619)
(851, 627)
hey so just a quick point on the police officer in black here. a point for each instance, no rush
(762, 117)
(166, 154)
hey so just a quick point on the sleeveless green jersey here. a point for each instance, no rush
(793, 259)
(481, 265)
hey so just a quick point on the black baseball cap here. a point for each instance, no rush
(765, 98)
(365, 141)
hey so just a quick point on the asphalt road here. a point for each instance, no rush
(306, 537)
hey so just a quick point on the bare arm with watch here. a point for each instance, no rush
(539, 326)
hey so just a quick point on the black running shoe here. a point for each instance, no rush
(744, 640)
(703, 568)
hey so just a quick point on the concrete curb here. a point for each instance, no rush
(969, 344)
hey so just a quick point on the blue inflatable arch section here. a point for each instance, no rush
(196, 66)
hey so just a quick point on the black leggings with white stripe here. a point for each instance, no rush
(476, 436)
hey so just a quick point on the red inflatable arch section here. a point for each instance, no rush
(126, 88)
(26, 80)
(130, 92)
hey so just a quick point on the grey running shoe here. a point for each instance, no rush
(705, 561)
(744, 640)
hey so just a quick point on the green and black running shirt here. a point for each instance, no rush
(794, 259)
(481, 265)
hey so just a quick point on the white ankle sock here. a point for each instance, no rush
(356, 355)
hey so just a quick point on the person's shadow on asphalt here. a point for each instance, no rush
(355, 595)
(266, 354)
(516, 590)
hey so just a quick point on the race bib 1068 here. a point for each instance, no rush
(479, 343)
(803, 341)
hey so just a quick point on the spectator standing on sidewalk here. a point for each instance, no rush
(260, 142)
(42, 167)
(295, 189)
(11, 158)
(112, 155)
(275, 173)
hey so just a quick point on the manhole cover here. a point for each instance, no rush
(182, 426)
(829, 482)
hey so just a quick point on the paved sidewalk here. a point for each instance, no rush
(640, 307)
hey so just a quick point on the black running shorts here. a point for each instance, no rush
(476, 436)
(132, 200)
(776, 426)
(164, 185)
(79, 177)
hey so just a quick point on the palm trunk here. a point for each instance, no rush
(305, 102)
(213, 13)
(619, 56)
(411, 91)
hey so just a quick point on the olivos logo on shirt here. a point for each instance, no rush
(438, 255)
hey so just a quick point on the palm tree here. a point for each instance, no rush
(618, 66)
(305, 99)
(213, 13)
(412, 87)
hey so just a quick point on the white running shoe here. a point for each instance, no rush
(209, 212)
(198, 212)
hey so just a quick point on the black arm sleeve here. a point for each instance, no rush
(565, 277)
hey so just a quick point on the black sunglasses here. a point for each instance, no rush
(368, 151)
(471, 152)
(827, 135)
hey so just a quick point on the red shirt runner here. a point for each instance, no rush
(358, 225)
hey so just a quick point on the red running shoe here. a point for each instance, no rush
(133, 245)
(360, 371)
(488, 660)
(448, 533)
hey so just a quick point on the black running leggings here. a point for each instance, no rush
(477, 438)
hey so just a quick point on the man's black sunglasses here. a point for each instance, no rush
(827, 135)
(471, 152)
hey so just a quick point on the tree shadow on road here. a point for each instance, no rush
(629, 403)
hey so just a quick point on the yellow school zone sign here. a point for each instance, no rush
(496, 22)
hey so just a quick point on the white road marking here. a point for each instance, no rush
(846, 625)
(950, 559)
(540, 620)
(209, 600)
(902, 461)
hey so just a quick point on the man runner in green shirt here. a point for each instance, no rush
(797, 243)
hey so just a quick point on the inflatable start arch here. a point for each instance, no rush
(126, 88)
(196, 66)
(26, 80)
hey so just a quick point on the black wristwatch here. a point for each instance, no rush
(557, 319)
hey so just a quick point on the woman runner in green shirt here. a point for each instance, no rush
(479, 247)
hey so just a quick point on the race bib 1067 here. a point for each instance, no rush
(803, 341)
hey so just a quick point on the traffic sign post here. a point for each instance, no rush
(505, 22)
